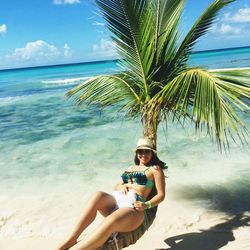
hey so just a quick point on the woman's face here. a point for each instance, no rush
(144, 156)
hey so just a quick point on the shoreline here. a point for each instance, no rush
(42, 211)
(227, 69)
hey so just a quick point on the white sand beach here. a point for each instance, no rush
(193, 228)
(40, 223)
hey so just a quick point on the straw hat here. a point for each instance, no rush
(144, 144)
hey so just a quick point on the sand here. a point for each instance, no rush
(178, 225)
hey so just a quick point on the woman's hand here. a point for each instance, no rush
(122, 187)
(140, 206)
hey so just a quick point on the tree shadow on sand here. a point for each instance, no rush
(233, 200)
(212, 239)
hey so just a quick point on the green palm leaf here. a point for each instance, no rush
(166, 35)
(200, 28)
(107, 90)
(129, 21)
(169, 13)
(239, 76)
(207, 99)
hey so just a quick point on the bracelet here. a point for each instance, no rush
(148, 204)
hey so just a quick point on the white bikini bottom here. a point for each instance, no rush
(128, 200)
(125, 200)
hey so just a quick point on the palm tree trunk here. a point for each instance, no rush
(150, 123)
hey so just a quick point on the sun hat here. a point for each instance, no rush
(143, 143)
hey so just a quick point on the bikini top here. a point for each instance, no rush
(137, 177)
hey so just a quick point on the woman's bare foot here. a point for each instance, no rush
(66, 245)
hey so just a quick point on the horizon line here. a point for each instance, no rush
(110, 60)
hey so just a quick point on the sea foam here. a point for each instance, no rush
(68, 81)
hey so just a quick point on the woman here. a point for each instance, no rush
(125, 209)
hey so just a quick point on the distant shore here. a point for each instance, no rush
(227, 69)
(221, 49)
(113, 60)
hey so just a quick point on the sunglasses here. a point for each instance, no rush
(143, 151)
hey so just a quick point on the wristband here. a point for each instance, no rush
(148, 204)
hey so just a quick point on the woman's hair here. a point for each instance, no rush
(154, 161)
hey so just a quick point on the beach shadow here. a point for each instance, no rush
(212, 239)
(231, 199)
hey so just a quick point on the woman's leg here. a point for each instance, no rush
(100, 201)
(122, 220)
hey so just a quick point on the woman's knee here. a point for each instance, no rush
(96, 198)
(98, 195)
(103, 202)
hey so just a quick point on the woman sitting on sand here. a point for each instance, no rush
(126, 209)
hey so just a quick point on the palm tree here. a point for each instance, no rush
(155, 82)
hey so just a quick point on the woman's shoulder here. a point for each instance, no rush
(156, 169)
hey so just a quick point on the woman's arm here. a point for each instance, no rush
(159, 180)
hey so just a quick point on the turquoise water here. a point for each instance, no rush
(50, 146)
(224, 58)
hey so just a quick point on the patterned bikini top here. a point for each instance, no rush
(137, 177)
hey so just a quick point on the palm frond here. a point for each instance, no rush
(208, 100)
(166, 35)
(241, 77)
(104, 90)
(200, 28)
(131, 24)
(167, 32)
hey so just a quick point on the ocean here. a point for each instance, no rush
(54, 154)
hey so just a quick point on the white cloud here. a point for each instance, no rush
(67, 51)
(59, 2)
(242, 16)
(3, 28)
(234, 24)
(229, 29)
(104, 48)
(224, 29)
(37, 52)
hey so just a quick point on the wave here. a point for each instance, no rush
(8, 100)
(68, 81)
(11, 99)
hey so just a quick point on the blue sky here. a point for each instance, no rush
(47, 32)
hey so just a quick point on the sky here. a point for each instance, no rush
(49, 32)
